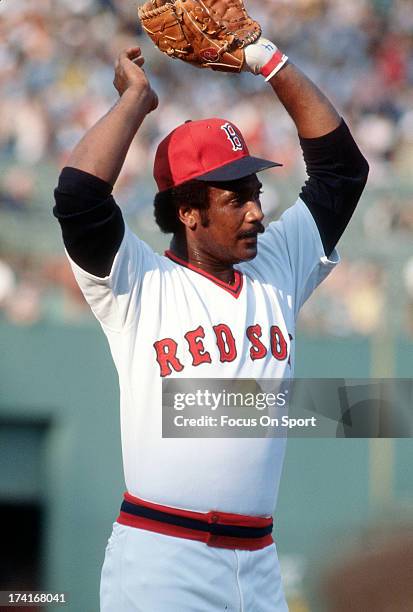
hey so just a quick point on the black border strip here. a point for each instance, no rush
(238, 531)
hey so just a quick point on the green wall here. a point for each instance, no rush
(64, 377)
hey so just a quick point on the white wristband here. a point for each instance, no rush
(263, 57)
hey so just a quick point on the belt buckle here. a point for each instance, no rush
(213, 519)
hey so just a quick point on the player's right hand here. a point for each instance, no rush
(129, 74)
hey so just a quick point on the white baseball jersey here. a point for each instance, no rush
(164, 318)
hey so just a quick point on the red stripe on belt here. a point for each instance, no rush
(214, 528)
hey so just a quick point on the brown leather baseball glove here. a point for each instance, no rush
(205, 33)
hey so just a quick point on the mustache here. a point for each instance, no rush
(252, 233)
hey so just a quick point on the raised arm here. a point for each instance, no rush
(311, 111)
(91, 222)
(336, 168)
(103, 148)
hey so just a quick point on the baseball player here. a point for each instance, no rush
(195, 529)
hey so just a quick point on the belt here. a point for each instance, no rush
(217, 529)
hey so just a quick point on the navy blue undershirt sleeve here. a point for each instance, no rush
(337, 174)
(91, 221)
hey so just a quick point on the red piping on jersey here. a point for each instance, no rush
(234, 289)
(212, 517)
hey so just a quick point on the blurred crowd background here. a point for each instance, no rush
(56, 72)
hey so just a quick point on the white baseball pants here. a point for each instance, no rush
(145, 571)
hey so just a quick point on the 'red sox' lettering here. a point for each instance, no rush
(166, 356)
(225, 342)
(257, 350)
(278, 343)
(196, 346)
(167, 348)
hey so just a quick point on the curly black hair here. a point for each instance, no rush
(166, 205)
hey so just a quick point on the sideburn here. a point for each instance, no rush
(204, 217)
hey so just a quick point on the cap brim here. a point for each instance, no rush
(238, 169)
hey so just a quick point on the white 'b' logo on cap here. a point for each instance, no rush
(232, 137)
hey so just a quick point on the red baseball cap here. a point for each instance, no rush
(206, 150)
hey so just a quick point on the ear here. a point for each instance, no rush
(188, 216)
